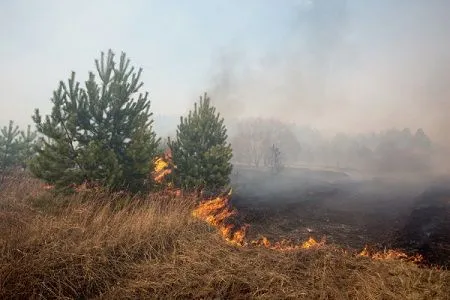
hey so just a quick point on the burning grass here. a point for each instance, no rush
(390, 254)
(219, 213)
(113, 247)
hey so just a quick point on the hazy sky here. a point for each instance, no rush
(345, 65)
(175, 42)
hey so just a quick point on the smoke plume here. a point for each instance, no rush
(351, 66)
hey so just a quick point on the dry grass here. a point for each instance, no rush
(86, 247)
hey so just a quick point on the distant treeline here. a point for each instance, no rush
(387, 151)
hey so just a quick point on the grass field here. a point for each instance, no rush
(108, 246)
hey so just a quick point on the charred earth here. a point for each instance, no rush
(384, 213)
(427, 229)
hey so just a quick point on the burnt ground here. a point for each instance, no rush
(350, 213)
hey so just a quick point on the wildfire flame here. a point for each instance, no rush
(285, 245)
(162, 167)
(390, 254)
(219, 213)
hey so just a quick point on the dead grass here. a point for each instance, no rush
(88, 247)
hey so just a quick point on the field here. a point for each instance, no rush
(103, 246)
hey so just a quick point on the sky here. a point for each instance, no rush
(175, 42)
(332, 64)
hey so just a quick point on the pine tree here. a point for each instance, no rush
(201, 154)
(27, 141)
(100, 134)
(9, 147)
(16, 148)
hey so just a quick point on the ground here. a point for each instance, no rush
(98, 245)
(381, 213)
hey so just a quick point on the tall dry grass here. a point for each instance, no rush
(113, 247)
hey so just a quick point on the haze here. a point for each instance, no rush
(338, 65)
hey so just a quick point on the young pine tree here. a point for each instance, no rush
(27, 141)
(100, 133)
(10, 147)
(16, 148)
(201, 154)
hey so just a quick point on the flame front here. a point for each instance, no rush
(310, 243)
(218, 212)
(285, 245)
(390, 254)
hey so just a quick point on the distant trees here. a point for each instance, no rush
(249, 142)
(253, 141)
(387, 151)
(275, 160)
(101, 133)
(16, 147)
(200, 151)
(401, 150)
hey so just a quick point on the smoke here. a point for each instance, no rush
(350, 66)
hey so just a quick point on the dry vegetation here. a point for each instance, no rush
(113, 247)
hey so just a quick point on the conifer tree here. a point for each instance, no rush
(101, 133)
(27, 141)
(16, 148)
(9, 147)
(200, 152)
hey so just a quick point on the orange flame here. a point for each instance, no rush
(310, 243)
(285, 245)
(390, 254)
(219, 213)
(162, 167)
